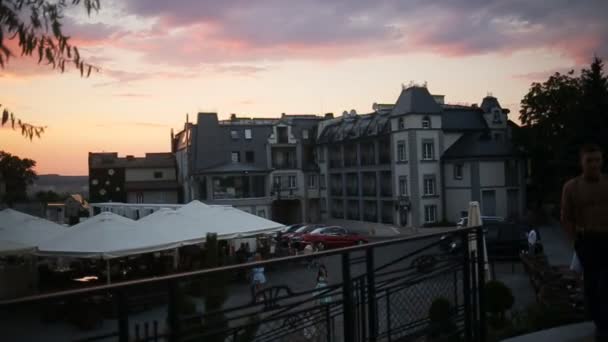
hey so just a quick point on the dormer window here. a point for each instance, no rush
(426, 122)
(496, 116)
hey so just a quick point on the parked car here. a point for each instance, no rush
(505, 240)
(294, 237)
(303, 229)
(332, 237)
(484, 219)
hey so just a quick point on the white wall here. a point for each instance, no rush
(491, 173)
(147, 174)
(501, 201)
(456, 200)
(448, 173)
(152, 197)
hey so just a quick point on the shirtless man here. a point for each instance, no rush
(584, 217)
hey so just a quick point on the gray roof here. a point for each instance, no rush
(462, 118)
(488, 103)
(355, 127)
(475, 145)
(233, 168)
(416, 100)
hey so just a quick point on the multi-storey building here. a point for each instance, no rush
(149, 179)
(418, 161)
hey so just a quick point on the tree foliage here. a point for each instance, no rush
(36, 26)
(17, 174)
(558, 115)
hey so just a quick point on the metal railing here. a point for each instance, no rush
(379, 291)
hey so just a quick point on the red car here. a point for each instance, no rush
(333, 237)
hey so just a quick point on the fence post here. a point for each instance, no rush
(481, 276)
(372, 307)
(173, 311)
(123, 316)
(347, 299)
(466, 286)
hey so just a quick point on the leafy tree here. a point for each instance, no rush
(36, 26)
(18, 174)
(558, 115)
(50, 196)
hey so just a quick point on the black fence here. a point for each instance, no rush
(380, 291)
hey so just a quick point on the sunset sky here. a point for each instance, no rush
(162, 59)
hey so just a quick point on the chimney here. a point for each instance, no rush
(232, 117)
(130, 157)
(329, 116)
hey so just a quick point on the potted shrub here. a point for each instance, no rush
(499, 299)
(442, 326)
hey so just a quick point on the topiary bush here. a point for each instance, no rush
(499, 299)
(442, 327)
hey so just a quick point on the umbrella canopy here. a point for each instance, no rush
(474, 220)
(26, 229)
(227, 222)
(106, 236)
(15, 248)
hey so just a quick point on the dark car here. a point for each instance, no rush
(503, 240)
(332, 237)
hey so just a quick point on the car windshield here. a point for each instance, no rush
(317, 231)
(305, 229)
(293, 228)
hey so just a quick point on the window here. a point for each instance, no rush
(496, 113)
(158, 174)
(249, 157)
(429, 185)
(430, 213)
(305, 134)
(235, 157)
(401, 150)
(282, 135)
(248, 134)
(312, 181)
(401, 123)
(428, 150)
(322, 184)
(292, 182)
(262, 213)
(458, 171)
(403, 185)
(277, 182)
(426, 122)
(234, 135)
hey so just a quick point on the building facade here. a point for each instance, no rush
(149, 179)
(418, 161)
(263, 166)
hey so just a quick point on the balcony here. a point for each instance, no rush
(384, 151)
(385, 297)
(369, 184)
(386, 186)
(335, 185)
(352, 184)
(350, 155)
(284, 158)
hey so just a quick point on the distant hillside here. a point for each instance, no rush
(61, 184)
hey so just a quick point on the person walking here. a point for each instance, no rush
(258, 279)
(584, 218)
(532, 240)
(321, 287)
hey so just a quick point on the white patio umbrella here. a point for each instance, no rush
(474, 220)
